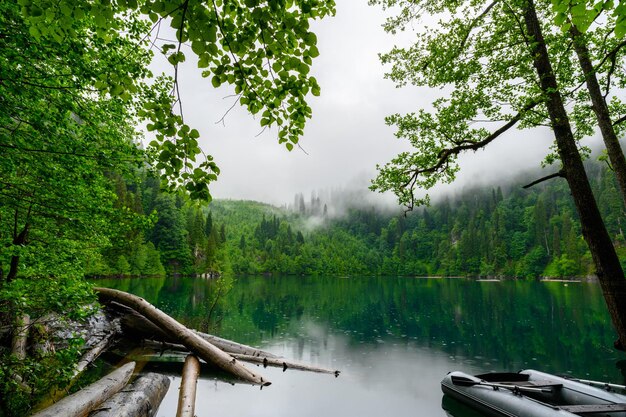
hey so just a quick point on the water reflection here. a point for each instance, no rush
(393, 338)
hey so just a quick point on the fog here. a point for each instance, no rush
(347, 136)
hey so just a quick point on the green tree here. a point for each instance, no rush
(153, 265)
(169, 235)
(577, 17)
(582, 13)
(74, 81)
(264, 50)
(521, 74)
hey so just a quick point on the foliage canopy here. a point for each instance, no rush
(481, 54)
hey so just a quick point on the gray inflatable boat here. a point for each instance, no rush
(532, 393)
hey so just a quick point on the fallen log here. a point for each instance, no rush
(160, 347)
(279, 362)
(188, 384)
(182, 334)
(142, 398)
(234, 347)
(85, 400)
(99, 332)
(91, 355)
(138, 325)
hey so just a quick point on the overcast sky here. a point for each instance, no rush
(347, 136)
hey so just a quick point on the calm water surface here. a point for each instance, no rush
(392, 338)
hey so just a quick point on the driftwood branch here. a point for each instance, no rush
(234, 347)
(85, 400)
(278, 362)
(273, 361)
(182, 334)
(188, 384)
(140, 327)
(142, 398)
(546, 178)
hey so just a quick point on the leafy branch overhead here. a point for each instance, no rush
(264, 49)
(481, 54)
(582, 13)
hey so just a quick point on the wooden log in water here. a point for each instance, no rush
(285, 364)
(162, 347)
(142, 398)
(138, 325)
(234, 347)
(85, 400)
(183, 335)
(188, 384)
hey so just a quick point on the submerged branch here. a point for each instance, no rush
(274, 361)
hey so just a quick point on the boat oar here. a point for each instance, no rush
(599, 384)
(466, 382)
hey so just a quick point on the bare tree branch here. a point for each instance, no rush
(444, 155)
(546, 178)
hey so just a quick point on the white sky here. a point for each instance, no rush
(347, 136)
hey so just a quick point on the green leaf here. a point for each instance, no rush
(313, 52)
(100, 20)
(34, 32)
(197, 47)
(203, 61)
(310, 39)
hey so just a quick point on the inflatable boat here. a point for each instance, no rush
(532, 393)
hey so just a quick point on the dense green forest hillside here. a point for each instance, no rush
(501, 231)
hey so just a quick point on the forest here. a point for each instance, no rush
(503, 231)
(102, 176)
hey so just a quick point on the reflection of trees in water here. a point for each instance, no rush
(513, 324)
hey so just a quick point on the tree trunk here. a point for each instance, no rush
(19, 239)
(85, 400)
(183, 335)
(20, 336)
(607, 264)
(613, 147)
(142, 398)
(18, 347)
(188, 384)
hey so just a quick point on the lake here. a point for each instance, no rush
(393, 339)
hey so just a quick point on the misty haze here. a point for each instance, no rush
(312, 208)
